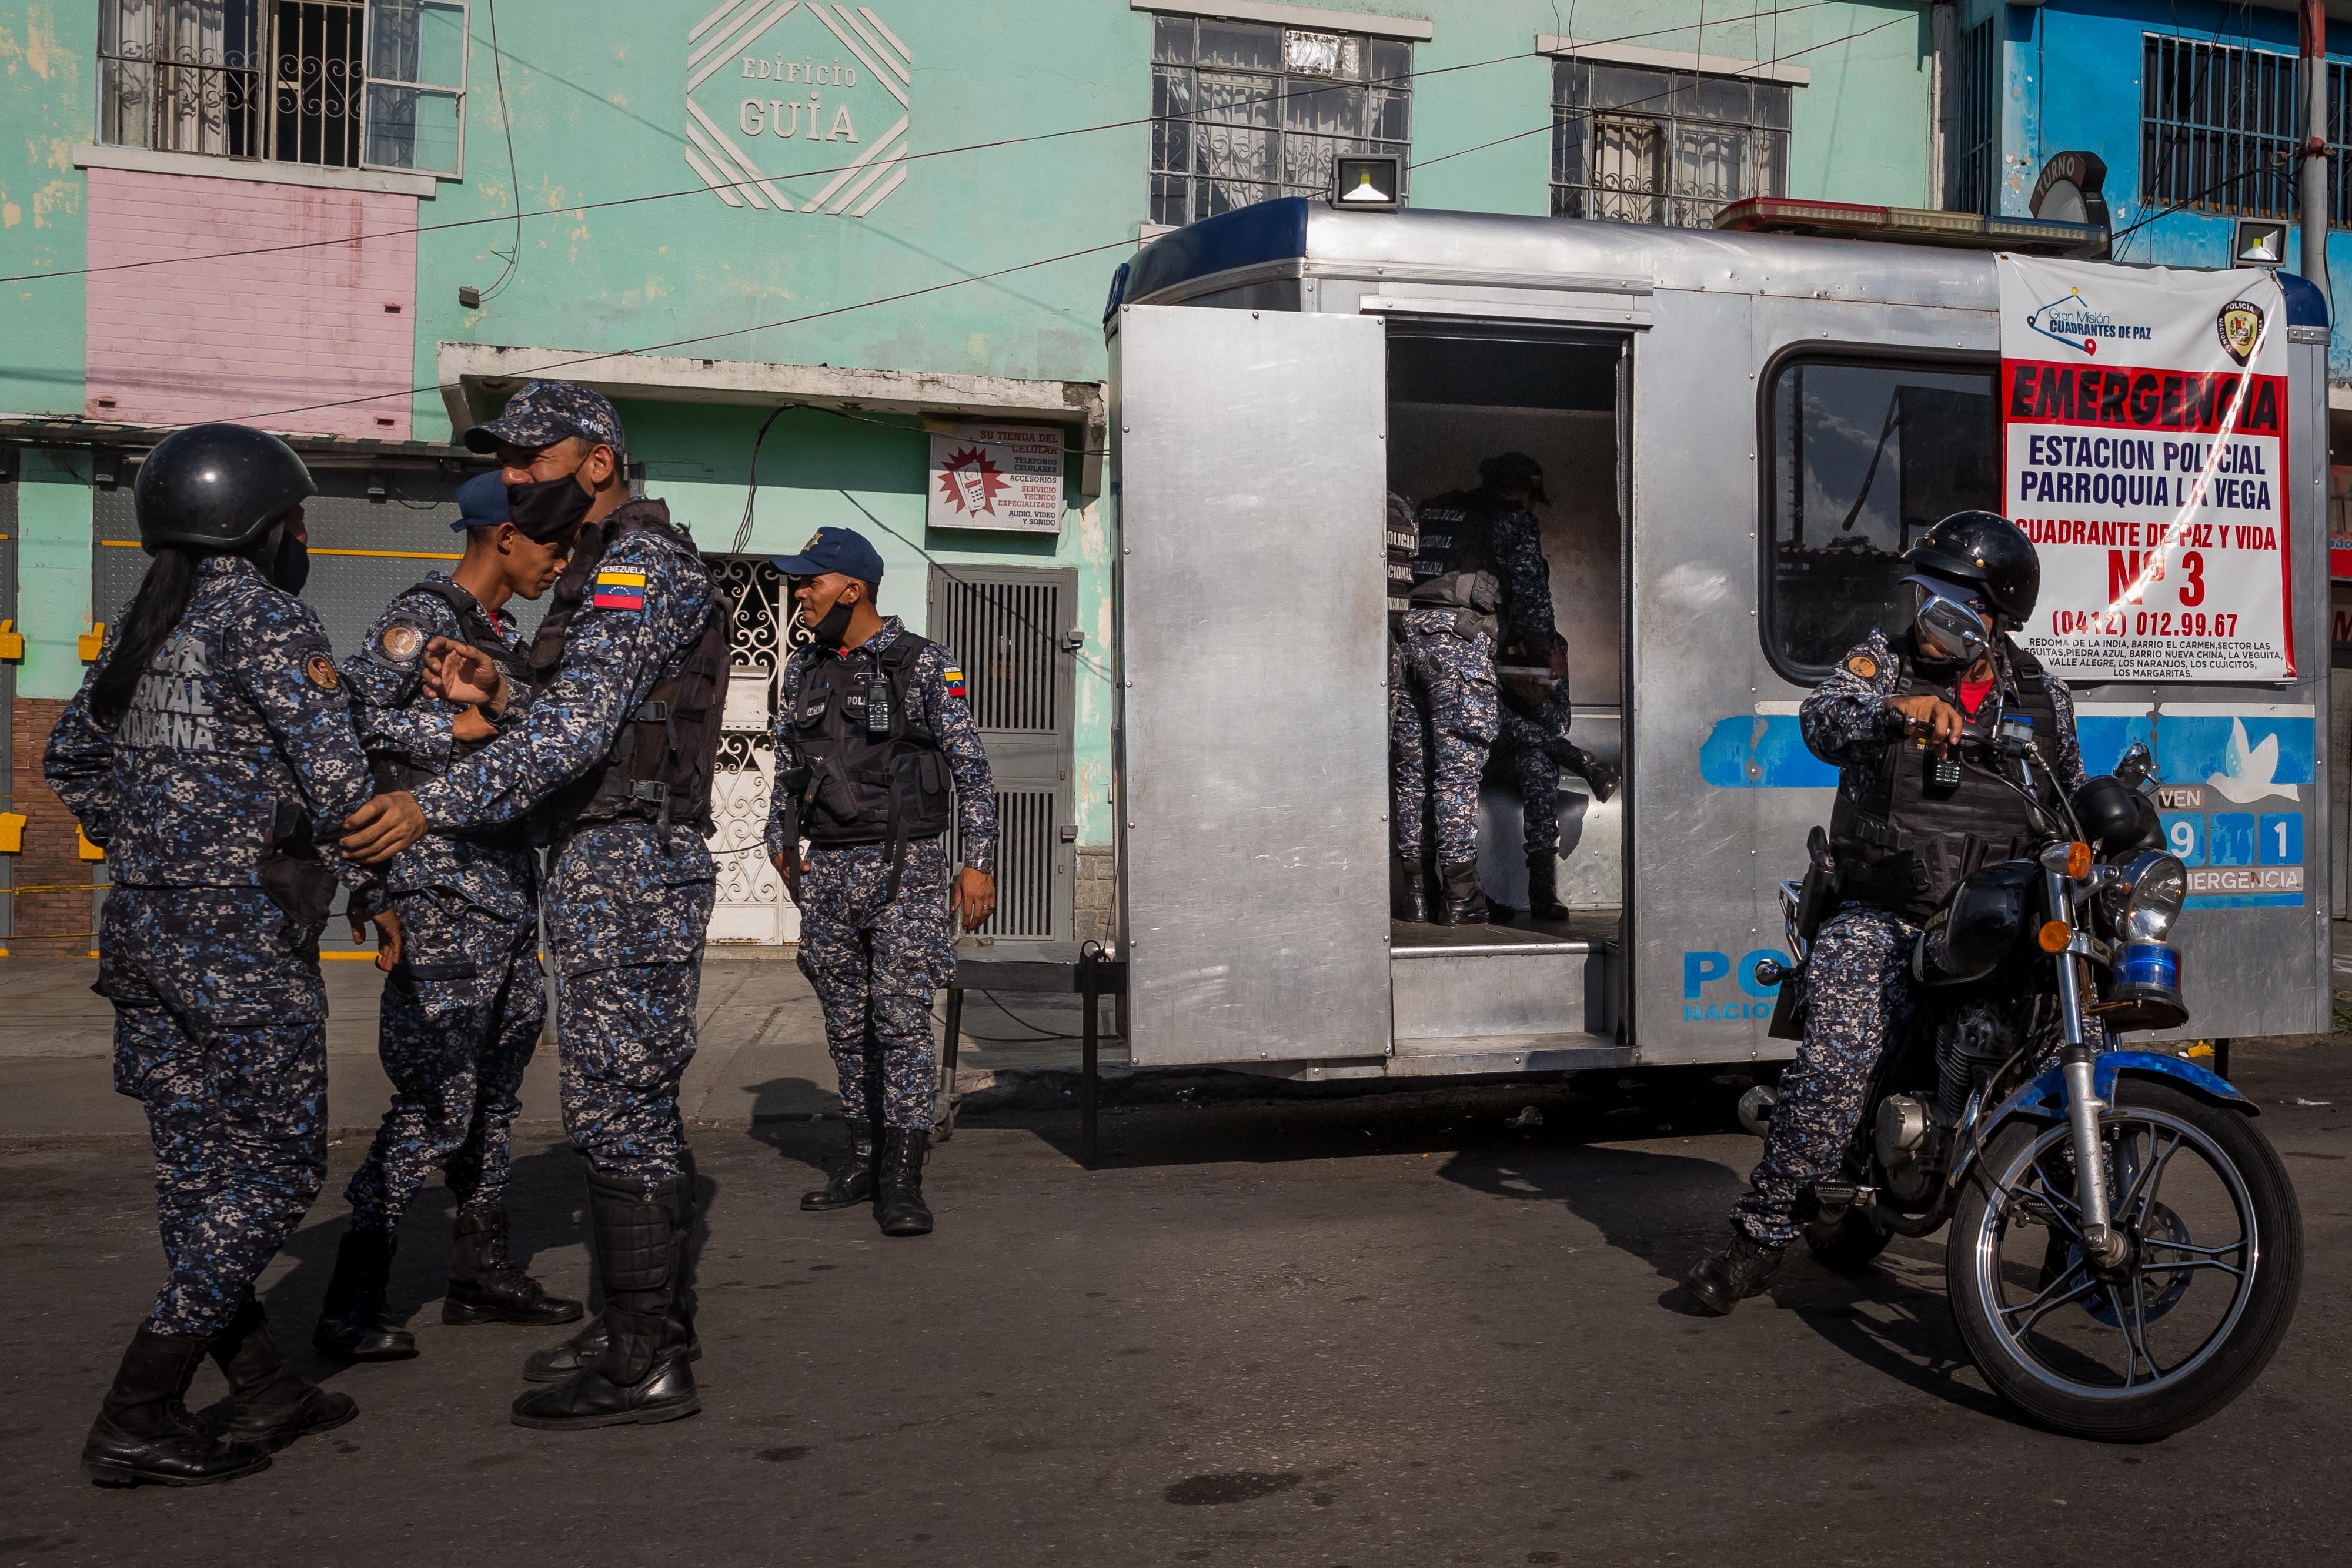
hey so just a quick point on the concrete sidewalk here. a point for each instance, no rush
(761, 1058)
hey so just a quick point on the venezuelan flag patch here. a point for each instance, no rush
(954, 678)
(620, 591)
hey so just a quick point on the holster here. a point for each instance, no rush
(1817, 896)
(295, 879)
(792, 788)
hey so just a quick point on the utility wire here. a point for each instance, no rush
(514, 179)
(573, 210)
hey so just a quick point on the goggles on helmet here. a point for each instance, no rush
(1951, 621)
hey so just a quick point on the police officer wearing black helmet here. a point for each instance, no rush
(210, 751)
(1908, 824)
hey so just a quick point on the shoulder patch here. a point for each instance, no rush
(620, 589)
(400, 644)
(321, 669)
(1861, 666)
(954, 678)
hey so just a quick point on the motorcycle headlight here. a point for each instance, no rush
(2145, 895)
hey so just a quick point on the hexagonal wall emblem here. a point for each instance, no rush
(793, 106)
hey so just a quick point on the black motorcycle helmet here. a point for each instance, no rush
(1987, 549)
(216, 486)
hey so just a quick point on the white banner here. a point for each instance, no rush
(1002, 477)
(2144, 417)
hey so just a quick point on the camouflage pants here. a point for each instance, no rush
(1536, 777)
(627, 909)
(1442, 716)
(1858, 981)
(461, 1016)
(220, 1030)
(876, 967)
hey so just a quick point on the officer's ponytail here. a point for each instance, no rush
(162, 600)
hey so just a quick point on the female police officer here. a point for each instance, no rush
(207, 742)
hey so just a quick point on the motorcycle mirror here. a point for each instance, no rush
(2136, 765)
(1952, 628)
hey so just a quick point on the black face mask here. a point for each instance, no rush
(548, 509)
(289, 569)
(834, 626)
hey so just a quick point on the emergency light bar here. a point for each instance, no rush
(1915, 226)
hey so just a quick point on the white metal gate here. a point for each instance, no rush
(751, 907)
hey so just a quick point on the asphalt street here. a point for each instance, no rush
(1390, 1330)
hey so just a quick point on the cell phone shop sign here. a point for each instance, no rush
(1004, 477)
(2144, 424)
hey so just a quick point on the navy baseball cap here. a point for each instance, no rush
(843, 551)
(481, 502)
(544, 412)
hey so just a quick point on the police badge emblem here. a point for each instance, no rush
(321, 669)
(401, 642)
(2240, 327)
(1863, 667)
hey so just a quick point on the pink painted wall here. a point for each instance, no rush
(258, 340)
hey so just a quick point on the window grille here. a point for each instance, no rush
(2219, 126)
(1245, 112)
(334, 84)
(1663, 147)
(1975, 124)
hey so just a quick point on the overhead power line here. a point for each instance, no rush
(575, 209)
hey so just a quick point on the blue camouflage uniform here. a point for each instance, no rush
(876, 961)
(1858, 975)
(238, 731)
(1443, 715)
(628, 899)
(1524, 739)
(463, 1011)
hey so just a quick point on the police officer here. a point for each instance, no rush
(1532, 744)
(462, 1011)
(871, 729)
(616, 738)
(1479, 576)
(1908, 824)
(210, 741)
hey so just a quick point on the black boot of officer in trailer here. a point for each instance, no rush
(463, 1009)
(1908, 824)
(210, 751)
(871, 729)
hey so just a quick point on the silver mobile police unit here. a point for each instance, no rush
(1740, 432)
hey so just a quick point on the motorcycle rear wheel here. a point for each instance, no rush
(2043, 1329)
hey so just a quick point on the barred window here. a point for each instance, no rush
(2219, 126)
(333, 84)
(1245, 112)
(1975, 124)
(1663, 147)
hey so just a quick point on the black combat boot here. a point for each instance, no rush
(274, 1403)
(1543, 887)
(898, 1190)
(1465, 905)
(486, 1286)
(851, 1179)
(641, 1374)
(1596, 773)
(143, 1431)
(354, 1324)
(558, 1362)
(1724, 1280)
(1409, 890)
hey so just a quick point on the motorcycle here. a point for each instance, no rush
(2125, 1250)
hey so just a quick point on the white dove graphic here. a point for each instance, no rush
(2246, 770)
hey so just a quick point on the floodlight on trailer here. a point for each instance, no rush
(1914, 225)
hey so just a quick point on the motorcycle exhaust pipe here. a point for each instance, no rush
(1755, 1108)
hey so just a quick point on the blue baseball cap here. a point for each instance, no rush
(482, 502)
(545, 412)
(843, 551)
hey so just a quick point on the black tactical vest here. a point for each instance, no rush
(1454, 562)
(875, 774)
(1905, 840)
(660, 767)
(394, 770)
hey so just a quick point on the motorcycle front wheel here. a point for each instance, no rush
(2185, 1324)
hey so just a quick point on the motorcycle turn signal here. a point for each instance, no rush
(2054, 936)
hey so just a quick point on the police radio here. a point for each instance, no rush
(877, 705)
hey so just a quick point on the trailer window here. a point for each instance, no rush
(1863, 456)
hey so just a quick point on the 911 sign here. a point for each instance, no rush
(2143, 419)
